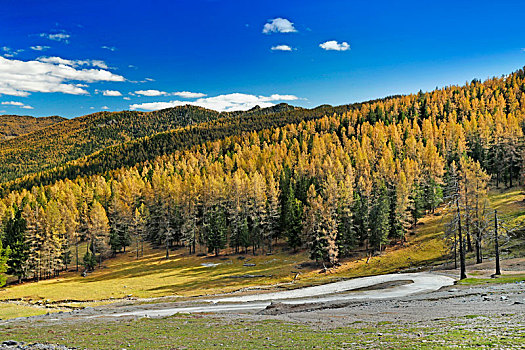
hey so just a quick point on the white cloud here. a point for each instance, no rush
(188, 94)
(183, 94)
(333, 45)
(19, 78)
(279, 25)
(105, 107)
(281, 48)
(126, 98)
(17, 104)
(111, 93)
(98, 63)
(9, 52)
(151, 93)
(74, 63)
(56, 37)
(110, 48)
(147, 80)
(228, 102)
(39, 48)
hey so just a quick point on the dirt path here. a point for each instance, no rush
(364, 288)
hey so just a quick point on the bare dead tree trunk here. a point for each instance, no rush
(463, 269)
(496, 242)
(455, 250)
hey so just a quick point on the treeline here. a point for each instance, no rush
(360, 179)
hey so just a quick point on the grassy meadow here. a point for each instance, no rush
(206, 332)
(184, 276)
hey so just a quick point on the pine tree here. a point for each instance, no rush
(379, 225)
(14, 240)
(4, 257)
(346, 235)
(99, 231)
(271, 231)
(139, 227)
(293, 220)
(456, 224)
(215, 229)
(320, 229)
(35, 238)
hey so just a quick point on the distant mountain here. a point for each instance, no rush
(281, 107)
(148, 148)
(12, 126)
(73, 139)
(70, 139)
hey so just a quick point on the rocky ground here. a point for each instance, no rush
(486, 311)
(12, 344)
(453, 301)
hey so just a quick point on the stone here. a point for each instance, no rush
(10, 343)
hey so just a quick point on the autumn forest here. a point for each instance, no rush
(332, 180)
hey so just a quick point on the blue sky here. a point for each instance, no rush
(72, 58)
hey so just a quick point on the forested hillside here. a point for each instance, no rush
(83, 136)
(78, 137)
(15, 125)
(357, 179)
(150, 147)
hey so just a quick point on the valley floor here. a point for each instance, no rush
(464, 316)
(479, 312)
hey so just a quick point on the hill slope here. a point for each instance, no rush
(149, 147)
(12, 126)
(75, 138)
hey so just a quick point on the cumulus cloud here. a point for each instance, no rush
(151, 93)
(20, 78)
(74, 63)
(228, 102)
(17, 104)
(279, 25)
(111, 93)
(110, 48)
(64, 37)
(333, 45)
(183, 94)
(105, 107)
(39, 48)
(281, 48)
(188, 94)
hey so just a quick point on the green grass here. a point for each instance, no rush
(518, 278)
(204, 332)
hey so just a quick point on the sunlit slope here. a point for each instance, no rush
(148, 148)
(12, 126)
(74, 138)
